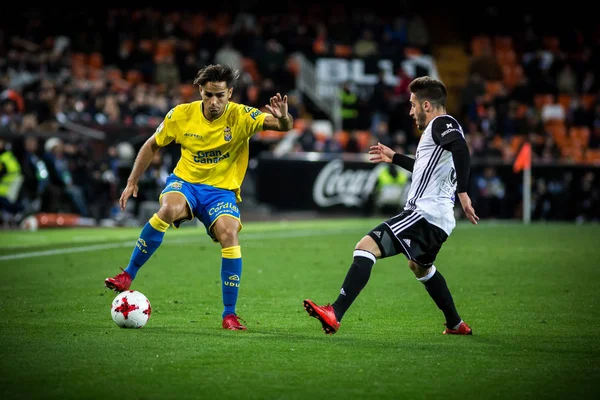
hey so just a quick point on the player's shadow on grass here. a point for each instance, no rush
(278, 335)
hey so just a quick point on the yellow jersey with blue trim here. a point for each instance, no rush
(213, 153)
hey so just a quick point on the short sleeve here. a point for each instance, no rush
(163, 134)
(445, 130)
(252, 119)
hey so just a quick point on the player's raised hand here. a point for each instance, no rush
(381, 153)
(278, 106)
(130, 189)
(465, 201)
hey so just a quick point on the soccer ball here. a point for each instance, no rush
(130, 309)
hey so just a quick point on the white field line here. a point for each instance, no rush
(130, 243)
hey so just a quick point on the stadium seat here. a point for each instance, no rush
(592, 156)
(96, 60)
(588, 100)
(506, 57)
(503, 43)
(565, 100)
(579, 135)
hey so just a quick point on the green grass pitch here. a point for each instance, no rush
(530, 293)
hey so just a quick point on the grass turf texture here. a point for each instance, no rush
(530, 294)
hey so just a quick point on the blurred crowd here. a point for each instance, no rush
(120, 70)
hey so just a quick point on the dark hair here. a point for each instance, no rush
(430, 89)
(217, 73)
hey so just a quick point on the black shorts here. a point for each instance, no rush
(410, 234)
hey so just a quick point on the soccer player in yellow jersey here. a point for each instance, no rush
(214, 136)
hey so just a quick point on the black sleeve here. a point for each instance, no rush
(447, 133)
(445, 130)
(405, 162)
(462, 163)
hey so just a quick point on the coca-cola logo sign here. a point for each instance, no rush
(336, 184)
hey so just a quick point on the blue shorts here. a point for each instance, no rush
(207, 203)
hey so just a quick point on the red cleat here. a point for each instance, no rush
(119, 283)
(463, 329)
(325, 314)
(232, 323)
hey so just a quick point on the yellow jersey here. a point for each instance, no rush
(213, 153)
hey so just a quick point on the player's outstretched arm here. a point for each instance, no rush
(381, 153)
(142, 160)
(279, 120)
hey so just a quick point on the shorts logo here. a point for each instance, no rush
(377, 233)
(176, 185)
(227, 134)
(223, 207)
(407, 241)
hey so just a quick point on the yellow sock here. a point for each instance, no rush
(158, 223)
(232, 252)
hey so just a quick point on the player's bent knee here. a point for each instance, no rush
(417, 269)
(414, 267)
(170, 212)
(368, 244)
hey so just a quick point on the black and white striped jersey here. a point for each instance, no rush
(433, 187)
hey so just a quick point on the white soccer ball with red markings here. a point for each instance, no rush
(130, 309)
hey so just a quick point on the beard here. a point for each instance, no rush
(420, 120)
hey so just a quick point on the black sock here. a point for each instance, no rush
(356, 279)
(438, 290)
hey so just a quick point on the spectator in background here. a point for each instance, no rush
(349, 101)
(417, 33)
(553, 111)
(566, 80)
(229, 55)
(397, 31)
(390, 191)
(307, 141)
(366, 46)
(379, 102)
(588, 199)
(10, 119)
(332, 144)
(353, 145)
(166, 72)
(60, 174)
(490, 194)
(594, 142)
(154, 179)
(382, 134)
(38, 194)
(11, 179)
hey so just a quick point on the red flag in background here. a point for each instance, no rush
(523, 160)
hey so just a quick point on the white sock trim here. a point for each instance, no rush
(456, 327)
(365, 254)
(429, 275)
